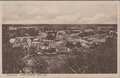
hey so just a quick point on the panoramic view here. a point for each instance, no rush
(52, 48)
(65, 38)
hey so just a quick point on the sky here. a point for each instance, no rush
(60, 12)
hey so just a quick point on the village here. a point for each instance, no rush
(56, 48)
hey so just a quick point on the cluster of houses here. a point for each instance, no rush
(43, 39)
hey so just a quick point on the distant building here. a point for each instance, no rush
(106, 28)
(12, 28)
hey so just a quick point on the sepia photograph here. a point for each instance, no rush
(60, 37)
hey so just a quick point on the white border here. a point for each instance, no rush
(58, 75)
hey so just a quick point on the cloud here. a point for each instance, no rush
(99, 18)
(76, 18)
(68, 18)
